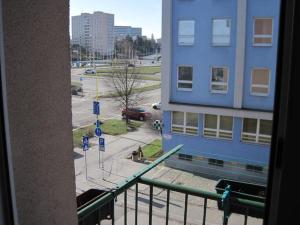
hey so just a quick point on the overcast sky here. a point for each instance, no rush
(136, 13)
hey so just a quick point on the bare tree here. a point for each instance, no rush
(125, 80)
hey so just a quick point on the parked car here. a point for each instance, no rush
(90, 71)
(136, 113)
(156, 105)
(131, 65)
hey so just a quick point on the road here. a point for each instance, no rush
(82, 113)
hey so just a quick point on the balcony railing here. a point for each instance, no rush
(225, 200)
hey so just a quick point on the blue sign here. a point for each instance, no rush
(98, 131)
(96, 108)
(101, 144)
(98, 123)
(85, 143)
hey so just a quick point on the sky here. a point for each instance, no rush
(136, 13)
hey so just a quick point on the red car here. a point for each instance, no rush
(136, 113)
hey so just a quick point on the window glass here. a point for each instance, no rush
(260, 81)
(221, 32)
(250, 125)
(186, 30)
(263, 28)
(265, 127)
(219, 79)
(185, 73)
(192, 119)
(211, 121)
(226, 123)
(178, 118)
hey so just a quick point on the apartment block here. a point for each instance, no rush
(218, 80)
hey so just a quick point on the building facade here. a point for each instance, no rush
(219, 67)
(121, 32)
(94, 32)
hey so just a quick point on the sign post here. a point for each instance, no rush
(101, 150)
(85, 147)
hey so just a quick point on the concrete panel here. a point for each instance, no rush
(37, 73)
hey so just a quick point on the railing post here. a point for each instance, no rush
(226, 204)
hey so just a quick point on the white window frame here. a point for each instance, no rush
(219, 83)
(260, 85)
(255, 136)
(178, 36)
(218, 130)
(212, 32)
(262, 35)
(184, 127)
(185, 81)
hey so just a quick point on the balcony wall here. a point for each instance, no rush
(35, 65)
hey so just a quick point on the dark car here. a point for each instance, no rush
(136, 113)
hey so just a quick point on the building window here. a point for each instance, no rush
(263, 31)
(257, 131)
(185, 78)
(186, 32)
(185, 157)
(260, 82)
(219, 80)
(217, 126)
(252, 168)
(221, 32)
(186, 123)
(216, 162)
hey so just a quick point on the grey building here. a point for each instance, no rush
(94, 31)
(120, 32)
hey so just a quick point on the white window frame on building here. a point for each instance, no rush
(184, 128)
(262, 36)
(217, 132)
(217, 83)
(214, 35)
(255, 137)
(188, 38)
(263, 86)
(184, 81)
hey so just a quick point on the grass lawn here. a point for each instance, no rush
(77, 134)
(117, 127)
(137, 70)
(135, 90)
(153, 149)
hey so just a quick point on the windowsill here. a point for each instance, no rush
(262, 45)
(218, 92)
(184, 89)
(185, 134)
(254, 143)
(220, 45)
(217, 138)
(259, 95)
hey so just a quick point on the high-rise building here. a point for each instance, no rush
(94, 32)
(121, 32)
(218, 81)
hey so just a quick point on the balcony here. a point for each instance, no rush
(132, 189)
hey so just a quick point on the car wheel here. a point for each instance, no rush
(142, 118)
(154, 107)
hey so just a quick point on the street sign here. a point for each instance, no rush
(98, 131)
(157, 124)
(85, 143)
(96, 108)
(101, 144)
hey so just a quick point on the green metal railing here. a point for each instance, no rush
(137, 178)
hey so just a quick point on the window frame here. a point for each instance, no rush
(262, 35)
(184, 126)
(217, 130)
(184, 81)
(260, 85)
(178, 36)
(257, 135)
(212, 32)
(215, 83)
(215, 162)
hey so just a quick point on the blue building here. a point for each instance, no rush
(218, 80)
